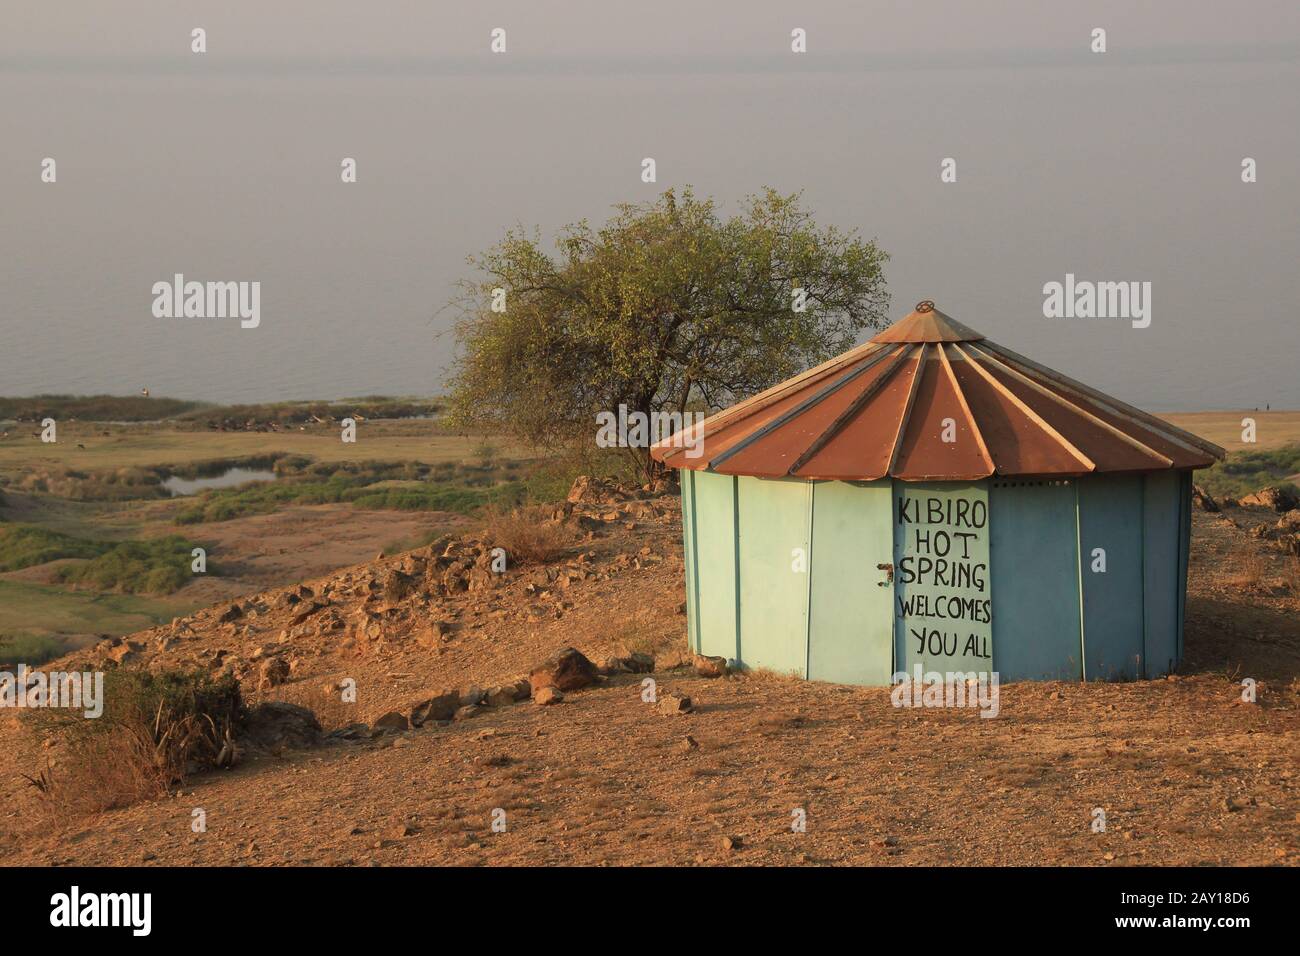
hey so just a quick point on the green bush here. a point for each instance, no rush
(25, 545)
(1245, 472)
(154, 566)
(29, 649)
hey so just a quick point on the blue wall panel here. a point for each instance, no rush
(775, 521)
(850, 614)
(1162, 533)
(715, 571)
(1033, 549)
(1110, 518)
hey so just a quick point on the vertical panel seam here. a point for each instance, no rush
(1143, 552)
(808, 566)
(1078, 557)
(735, 545)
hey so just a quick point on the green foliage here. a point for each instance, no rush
(667, 307)
(26, 545)
(100, 408)
(224, 504)
(1245, 472)
(29, 649)
(153, 566)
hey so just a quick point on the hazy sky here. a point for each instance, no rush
(225, 166)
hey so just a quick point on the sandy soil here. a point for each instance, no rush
(1186, 772)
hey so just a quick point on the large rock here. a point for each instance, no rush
(1272, 497)
(565, 671)
(710, 666)
(273, 672)
(1203, 499)
(391, 721)
(442, 706)
(277, 725)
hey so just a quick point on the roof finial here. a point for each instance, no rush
(925, 305)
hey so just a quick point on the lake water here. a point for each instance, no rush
(1119, 168)
(227, 479)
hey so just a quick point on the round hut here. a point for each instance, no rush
(932, 498)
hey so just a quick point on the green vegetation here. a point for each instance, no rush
(28, 609)
(139, 408)
(154, 566)
(265, 497)
(25, 545)
(667, 307)
(100, 408)
(30, 649)
(1245, 472)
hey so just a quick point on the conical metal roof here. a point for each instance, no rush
(930, 399)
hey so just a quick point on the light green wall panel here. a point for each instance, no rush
(943, 597)
(1034, 548)
(688, 549)
(1162, 531)
(774, 522)
(851, 616)
(1110, 518)
(715, 569)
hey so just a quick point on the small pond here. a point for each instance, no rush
(227, 479)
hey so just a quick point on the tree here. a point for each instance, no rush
(666, 307)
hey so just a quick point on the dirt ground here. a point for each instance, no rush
(1185, 771)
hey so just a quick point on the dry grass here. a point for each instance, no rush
(154, 731)
(1249, 573)
(528, 534)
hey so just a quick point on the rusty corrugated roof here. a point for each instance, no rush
(929, 398)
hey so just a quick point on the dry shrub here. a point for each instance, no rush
(645, 632)
(528, 534)
(1248, 572)
(154, 731)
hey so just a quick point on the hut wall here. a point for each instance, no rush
(1110, 518)
(851, 616)
(1053, 616)
(1034, 555)
(775, 524)
(1163, 524)
(717, 617)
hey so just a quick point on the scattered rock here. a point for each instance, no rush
(1204, 500)
(470, 696)
(441, 706)
(273, 672)
(500, 696)
(1273, 497)
(547, 695)
(688, 744)
(232, 613)
(566, 670)
(466, 712)
(732, 842)
(391, 721)
(710, 666)
(675, 704)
